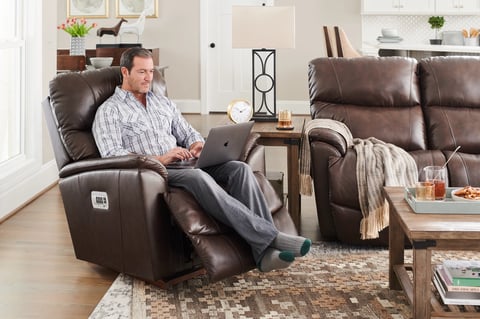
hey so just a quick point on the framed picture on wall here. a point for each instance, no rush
(87, 8)
(134, 8)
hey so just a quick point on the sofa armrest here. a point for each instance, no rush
(329, 136)
(254, 154)
(249, 146)
(120, 162)
(326, 145)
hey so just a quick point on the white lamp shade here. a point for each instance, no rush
(263, 27)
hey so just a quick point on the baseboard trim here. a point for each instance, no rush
(18, 196)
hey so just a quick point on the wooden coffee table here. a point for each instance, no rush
(426, 232)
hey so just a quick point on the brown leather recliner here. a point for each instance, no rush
(120, 211)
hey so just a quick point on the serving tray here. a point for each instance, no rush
(446, 206)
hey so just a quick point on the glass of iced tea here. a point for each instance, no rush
(285, 119)
(425, 191)
(438, 176)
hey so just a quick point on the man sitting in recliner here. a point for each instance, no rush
(136, 121)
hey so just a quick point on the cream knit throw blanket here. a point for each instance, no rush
(305, 159)
(378, 164)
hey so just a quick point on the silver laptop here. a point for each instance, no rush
(224, 143)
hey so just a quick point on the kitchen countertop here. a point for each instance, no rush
(422, 47)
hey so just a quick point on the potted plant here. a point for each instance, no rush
(78, 29)
(436, 22)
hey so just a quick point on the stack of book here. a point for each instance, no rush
(458, 282)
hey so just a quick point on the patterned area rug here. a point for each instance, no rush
(333, 281)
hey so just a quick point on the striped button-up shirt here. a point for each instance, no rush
(123, 126)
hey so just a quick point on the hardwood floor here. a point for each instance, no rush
(39, 274)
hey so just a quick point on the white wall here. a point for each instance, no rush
(311, 16)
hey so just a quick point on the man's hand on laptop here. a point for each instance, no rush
(196, 148)
(174, 155)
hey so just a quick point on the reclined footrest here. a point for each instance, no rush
(222, 251)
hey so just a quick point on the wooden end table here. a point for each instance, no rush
(426, 232)
(291, 139)
(269, 136)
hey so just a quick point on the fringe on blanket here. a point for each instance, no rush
(374, 222)
(306, 185)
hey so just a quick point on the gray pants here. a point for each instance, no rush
(238, 202)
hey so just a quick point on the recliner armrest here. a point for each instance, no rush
(120, 162)
(249, 146)
(330, 137)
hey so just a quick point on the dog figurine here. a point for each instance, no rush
(113, 30)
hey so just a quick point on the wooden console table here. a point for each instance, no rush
(426, 232)
(66, 62)
(269, 136)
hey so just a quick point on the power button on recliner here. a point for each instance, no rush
(99, 200)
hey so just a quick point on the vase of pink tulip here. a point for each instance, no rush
(78, 29)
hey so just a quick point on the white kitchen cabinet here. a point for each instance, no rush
(465, 7)
(395, 7)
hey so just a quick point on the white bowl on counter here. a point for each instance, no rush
(389, 32)
(101, 62)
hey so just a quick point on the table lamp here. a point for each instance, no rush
(263, 29)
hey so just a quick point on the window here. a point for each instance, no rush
(20, 94)
(11, 61)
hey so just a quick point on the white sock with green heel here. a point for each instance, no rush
(275, 259)
(297, 245)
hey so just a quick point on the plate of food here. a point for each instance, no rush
(467, 193)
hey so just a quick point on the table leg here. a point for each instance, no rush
(294, 208)
(396, 248)
(422, 275)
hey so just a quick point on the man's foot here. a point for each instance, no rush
(275, 259)
(297, 245)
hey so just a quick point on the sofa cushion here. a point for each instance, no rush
(463, 169)
(372, 96)
(451, 101)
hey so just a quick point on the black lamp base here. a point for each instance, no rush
(264, 118)
(263, 85)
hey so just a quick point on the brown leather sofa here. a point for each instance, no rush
(426, 107)
(149, 230)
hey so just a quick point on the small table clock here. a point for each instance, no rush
(240, 111)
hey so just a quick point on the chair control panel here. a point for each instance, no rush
(99, 200)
